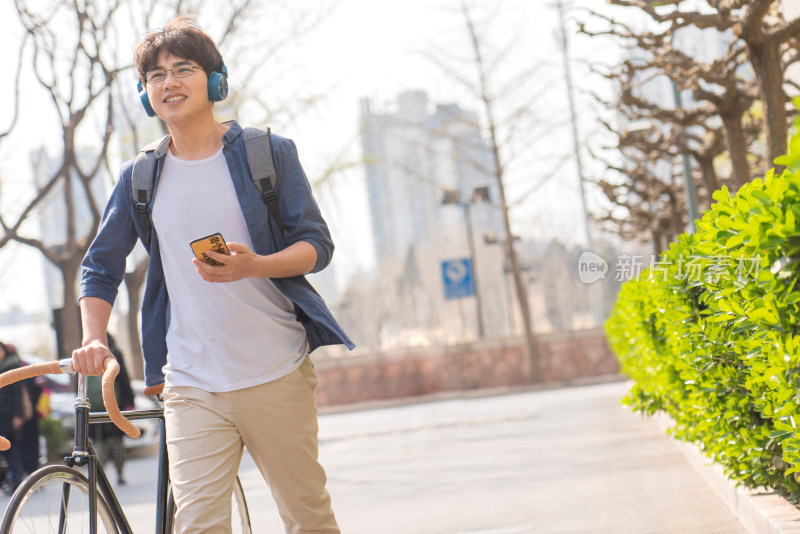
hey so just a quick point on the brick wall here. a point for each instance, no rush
(420, 371)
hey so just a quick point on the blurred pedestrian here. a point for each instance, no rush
(35, 387)
(13, 412)
(30, 428)
(31, 454)
(106, 436)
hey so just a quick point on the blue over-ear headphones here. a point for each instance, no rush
(218, 85)
(217, 89)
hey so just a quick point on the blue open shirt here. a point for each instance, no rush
(103, 267)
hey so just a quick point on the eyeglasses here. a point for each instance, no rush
(157, 77)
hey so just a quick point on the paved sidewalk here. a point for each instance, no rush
(569, 460)
(561, 461)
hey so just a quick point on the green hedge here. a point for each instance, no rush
(710, 334)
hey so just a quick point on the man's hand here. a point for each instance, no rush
(242, 263)
(88, 360)
(296, 259)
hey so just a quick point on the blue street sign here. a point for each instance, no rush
(457, 278)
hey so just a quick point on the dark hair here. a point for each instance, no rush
(8, 349)
(183, 38)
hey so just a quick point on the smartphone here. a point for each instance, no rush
(214, 242)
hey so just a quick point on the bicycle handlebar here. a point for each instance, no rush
(111, 367)
(65, 366)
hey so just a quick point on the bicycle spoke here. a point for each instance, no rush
(55, 500)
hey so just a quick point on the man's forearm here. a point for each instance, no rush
(88, 359)
(296, 259)
(95, 314)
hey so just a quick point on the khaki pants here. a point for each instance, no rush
(277, 422)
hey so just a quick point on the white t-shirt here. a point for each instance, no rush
(221, 336)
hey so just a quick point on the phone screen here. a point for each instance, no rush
(213, 242)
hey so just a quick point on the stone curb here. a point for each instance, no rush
(759, 511)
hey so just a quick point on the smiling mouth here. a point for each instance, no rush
(174, 99)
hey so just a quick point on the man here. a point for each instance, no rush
(12, 416)
(238, 333)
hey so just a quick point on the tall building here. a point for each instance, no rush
(421, 166)
(433, 199)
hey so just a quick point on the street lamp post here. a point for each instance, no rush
(595, 296)
(473, 260)
(453, 197)
(691, 196)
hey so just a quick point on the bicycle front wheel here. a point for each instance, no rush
(55, 499)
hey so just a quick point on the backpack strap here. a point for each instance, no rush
(262, 170)
(142, 179)
(259, 158)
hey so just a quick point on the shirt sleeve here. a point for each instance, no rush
(103, 267)
(298, 208)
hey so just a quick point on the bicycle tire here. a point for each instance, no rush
(240, 516)
(36, 505)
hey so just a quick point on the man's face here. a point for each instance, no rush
(178, 99)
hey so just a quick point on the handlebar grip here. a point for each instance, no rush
(29, 371)
(110, 400)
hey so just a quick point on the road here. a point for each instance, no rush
(566, 460)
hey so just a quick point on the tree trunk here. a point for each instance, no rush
(70, 315)
(521, 290)
(533, 354)
(133, 283)
(765, 58)
(658, 248)
(133, 356)
(484, 94)
(675, 226)
(737, 150)
(708, 174)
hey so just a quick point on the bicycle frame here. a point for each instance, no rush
(102, 500)
(84, 455)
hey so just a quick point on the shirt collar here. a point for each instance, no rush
(234, 131)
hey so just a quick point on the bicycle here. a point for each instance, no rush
(60, 498)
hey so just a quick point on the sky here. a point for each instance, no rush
(376, 49)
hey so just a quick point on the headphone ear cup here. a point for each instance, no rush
(218, 85)
(145, 100)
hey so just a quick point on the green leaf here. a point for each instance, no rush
(763, 197)
(762, 314)
(778, 434)
(722, 195)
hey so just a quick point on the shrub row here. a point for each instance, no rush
(710, 332)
